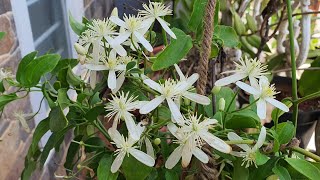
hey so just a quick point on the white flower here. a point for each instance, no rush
(21, 117)
(126, 147)
(200, 99)
(112, 64)
(169, 91)
(120, 108)
(5, 74)
(251, 68)
(149, 148)
(155, 11)
(265, 93)
(200, 130)
(132, 26)
(249, 156)
(188, 146)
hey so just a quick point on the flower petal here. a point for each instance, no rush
(117, 162)
(151, 105)
(262, 109)
(234, 137)
(166, 28)
(120, 81)
(208, 122)
(142, 157)
(174, 158)
(131, 126)
(193, 78)
(247, 88)
(173, 129)
(152, 84)
(149, 148)
(112, 79)
(261, 139)
(181, 75)
(143, 41)
(186, 154)
(199, 154)
(215, 142)
(117, 21)
(96, 67)
(230, 79)
(277, 104)
(175, 112)
(122, 37)
(200, 99)
(93, 79)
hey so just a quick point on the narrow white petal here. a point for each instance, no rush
(149, 148)
(152, 84)
(154, 103)
(264, 81)
(122, 37)
(181, 75)
(166, 27)
(117, 162)
(96, 67)
(175, 111)
(193, 78)
(115, 135)
(186, 155)
(247, 88)
(262, 109)
(174, 158)
(181, 87)
(215, 142)
(146, 23)
(208, 122)
(238, 154)
(93, 79)
(112, 79)
(230, 79)
(120, 81)
(131, 126)
(96, 51)
(277, 104)
(199, 154)
(119, 49)
(136, 105)
(113, 54)
(117, 21)
(143, 41)
(200, 99)
(173, 129)
(261, 139)
(142, 157)
(234, 137)
(253, 82)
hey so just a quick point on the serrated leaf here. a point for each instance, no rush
(304, 167)
(169, 55)
(104, 169)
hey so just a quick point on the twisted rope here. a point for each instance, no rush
(208, 171)
(206, 47)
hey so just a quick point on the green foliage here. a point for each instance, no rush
(104, 172)
(137, 172)
(7, 98)
(239, 171)
(169, 55)
(307, 81)
(228, 95)
(77, 27)
(243, 119)
(285, 132)
(304, 167)
(2, 34)
(197, 15)
(281, 172)
(58, 120)
(227, 34)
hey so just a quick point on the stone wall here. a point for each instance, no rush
(14, 140)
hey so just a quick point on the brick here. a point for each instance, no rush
(9, 42)
(5, 6)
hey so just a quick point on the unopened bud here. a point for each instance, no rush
(79, 166)
(157, 141)
(115, 12)
(216, 89)
(222, 104)
(80, 49)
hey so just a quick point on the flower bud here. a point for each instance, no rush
(216, 89)
(157, 141)
(80, 49)
(222, 104)
(115, 12)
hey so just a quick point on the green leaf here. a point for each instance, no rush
(93, 113)
(197, 15)
(307, 81)
(2, 89)
(58, 120)
(276, 62)
(227, 34)
(35, 68)
(104, 169)
(7, 98)
(216, 14)
(96, 142)
(77, 27)
(276, 113)
(281, 172)
(28, 170)
(171, 175)
(45, 93)
(243, 119)
(261, 158)
(262, 172)
(73, 79)
(134, 169)
(2, 34)
(23, 65)
(228, 95)
(169, 55)
(304, 167)
(240, 172)
(285, 132)
(130, 65)
(72, 152)
(63, 99)
(64, 64)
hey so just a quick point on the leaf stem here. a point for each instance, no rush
(308, 97)
(293, 67)
(306, 153)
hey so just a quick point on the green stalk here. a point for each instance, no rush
(293, 67)
(308, 97)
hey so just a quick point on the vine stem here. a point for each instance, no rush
(293, 67)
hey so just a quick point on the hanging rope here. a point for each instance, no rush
(206, 47)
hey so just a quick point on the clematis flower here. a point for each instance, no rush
(249, 154)
(169, 91)
(200, 130)
(155, 11)
(251, 68)
(120, 108)
(112, 64)
(132, 26)
(265, 93)
(126, 147)
(187, 148)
